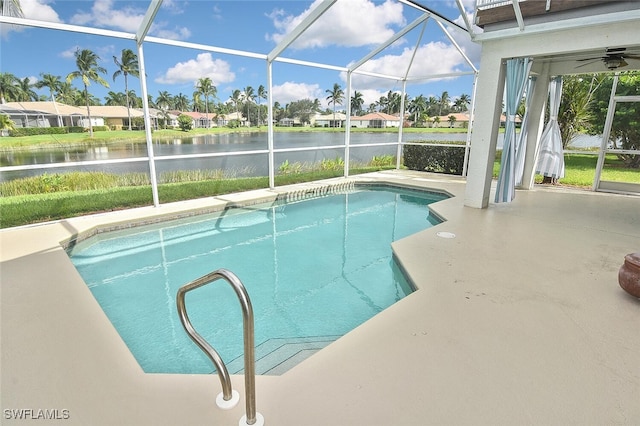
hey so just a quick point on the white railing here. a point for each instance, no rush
(487, 4)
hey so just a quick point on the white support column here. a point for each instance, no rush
(536, 125)
(347, 131)
(400, 128)
(147, 127)
(486, 123)
(271, 159)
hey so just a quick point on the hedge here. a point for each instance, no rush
(437, 159)
(32, 131)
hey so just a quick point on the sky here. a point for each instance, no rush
(346, 33)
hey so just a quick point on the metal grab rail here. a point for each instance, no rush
(227, 399)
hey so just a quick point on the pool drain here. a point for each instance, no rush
(444, 234)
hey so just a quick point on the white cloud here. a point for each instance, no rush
(290, 91)
(32, 9)
(128, 19)
(104, 52)
(102, 14)
(173, 7)
(337, 25)
(178, 33)
(470, 48)
(433, 58)
(69, 53)
(39, 10)
(371, 95)
(204, 65)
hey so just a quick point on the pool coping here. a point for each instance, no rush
(414, 363)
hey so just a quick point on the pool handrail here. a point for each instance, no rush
(228, 398)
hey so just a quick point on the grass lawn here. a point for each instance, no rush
(580, 170)
(34, 208)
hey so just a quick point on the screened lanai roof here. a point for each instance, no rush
(418, 15)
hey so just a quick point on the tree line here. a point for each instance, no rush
(247, 102)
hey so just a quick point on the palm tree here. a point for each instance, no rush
(127, 65)
(88, 71)
(336, 96)
(357, 101)
(114, 98)
(443, 102)
(135, 101)
(150, 101)
(164, 100)
(54, 84)
(11, 8)
(181, 102)
(235, 99)
(462, 103)
(6, 123)
(382, 104)
(51, 82)
(9, 87)
(262, 94)
(278, 111)
(67, 94)
(417, 107)
(205, 87)
(197, 102)
(432, 105)
(249, 97)
(26, 93)
(393, 102)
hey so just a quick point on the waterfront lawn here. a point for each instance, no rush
(27, 209)
(33, 208)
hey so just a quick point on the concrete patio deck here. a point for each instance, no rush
(518, 320)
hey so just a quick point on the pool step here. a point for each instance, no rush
(276, 356)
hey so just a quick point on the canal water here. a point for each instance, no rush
(250, 164)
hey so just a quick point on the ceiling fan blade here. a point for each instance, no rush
(623, 63)
(631, 56)
(589, 59)
(593, 61)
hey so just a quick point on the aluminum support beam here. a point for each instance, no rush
(301, 28)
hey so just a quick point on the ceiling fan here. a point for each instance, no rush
(613, 58)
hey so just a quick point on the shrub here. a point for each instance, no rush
(185, 122)
(287, 168)
(383, 161)
(336, 164)
(234, 124)
(438, 159)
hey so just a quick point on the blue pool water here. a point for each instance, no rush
(314, 269)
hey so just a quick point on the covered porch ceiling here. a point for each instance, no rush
(602, 51)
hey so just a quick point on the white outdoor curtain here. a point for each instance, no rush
(550, 152)
(521, 146)
(517, 73)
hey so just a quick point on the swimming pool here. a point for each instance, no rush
(314, 269)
